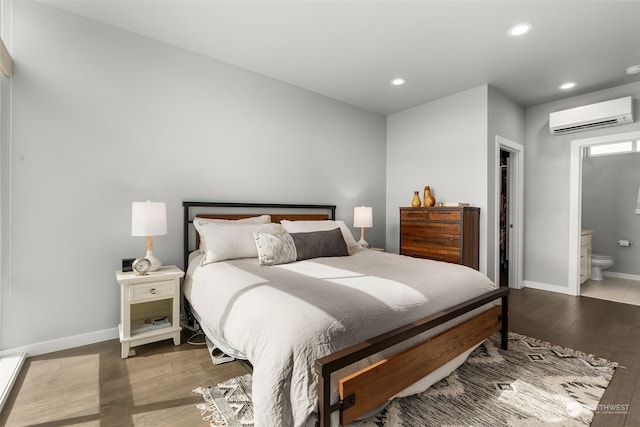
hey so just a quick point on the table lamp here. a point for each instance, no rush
(149, 219)
(363, 218)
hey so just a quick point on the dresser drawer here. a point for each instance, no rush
(414, 215)
(150, 291)
(434, 252)
(434, 214)
(430, 229)
(438, 240)
(445, 215)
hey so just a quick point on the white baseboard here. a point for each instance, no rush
(547, 287)
(621, 275)
(9, 370)
(63, 343)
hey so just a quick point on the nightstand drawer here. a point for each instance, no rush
(150, 291)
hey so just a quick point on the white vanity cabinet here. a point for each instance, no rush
(585, 255)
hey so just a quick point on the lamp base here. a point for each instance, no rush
(363, 243)
(155, 262)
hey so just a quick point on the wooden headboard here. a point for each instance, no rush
(221, 210)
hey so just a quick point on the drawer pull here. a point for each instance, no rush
(153, 291)
(431, 241)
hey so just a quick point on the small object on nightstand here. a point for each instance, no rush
(150, 308)
(127, 264)
(141, 266)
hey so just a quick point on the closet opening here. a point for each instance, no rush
(505, 226)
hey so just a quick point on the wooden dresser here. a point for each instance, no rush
(450, 234)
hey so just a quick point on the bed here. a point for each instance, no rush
(329, 338)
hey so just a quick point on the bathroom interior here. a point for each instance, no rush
(611, 211)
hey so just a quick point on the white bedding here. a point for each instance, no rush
(285, 317)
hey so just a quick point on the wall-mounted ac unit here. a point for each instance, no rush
(608, 113)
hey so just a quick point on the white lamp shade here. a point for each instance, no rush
(148, 219)
(363, 217)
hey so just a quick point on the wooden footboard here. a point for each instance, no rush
(367, 389)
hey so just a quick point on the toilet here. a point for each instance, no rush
(599, 263)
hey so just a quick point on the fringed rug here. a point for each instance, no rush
(531, 384)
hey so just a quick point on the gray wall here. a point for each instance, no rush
(442, 144)
(101, 117)
(547, 167)
(506, 119)
(609, 195)
(449, 144)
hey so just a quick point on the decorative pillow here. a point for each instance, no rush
(283, 248)
(274, 249)
(223, 241)
(307, 226)
(316, 244)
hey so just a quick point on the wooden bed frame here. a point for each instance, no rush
(370, 387)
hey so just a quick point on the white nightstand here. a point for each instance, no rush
(151, 303)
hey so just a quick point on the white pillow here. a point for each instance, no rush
(308, 226)
(262, 219)
(231, 241)
(199, 221)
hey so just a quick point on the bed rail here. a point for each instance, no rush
(480, 327)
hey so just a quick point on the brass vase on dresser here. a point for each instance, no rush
(415, 202)
(429, 200)
(450, 234)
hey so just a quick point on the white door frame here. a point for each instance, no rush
(575, 199)
(516, 214)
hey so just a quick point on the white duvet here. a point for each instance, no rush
(285, 317)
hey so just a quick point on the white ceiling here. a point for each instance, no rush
(350, 50)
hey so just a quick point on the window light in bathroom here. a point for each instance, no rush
(614, 148)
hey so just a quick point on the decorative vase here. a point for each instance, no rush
(429, 200)
(415, 202)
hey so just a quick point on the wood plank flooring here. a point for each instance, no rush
(606, 329)
(93, 386)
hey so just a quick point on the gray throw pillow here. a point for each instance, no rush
(317, 244)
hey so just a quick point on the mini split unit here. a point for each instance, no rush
(608, 113)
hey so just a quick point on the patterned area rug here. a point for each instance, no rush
(531, 384)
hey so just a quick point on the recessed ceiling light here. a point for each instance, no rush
(519, 29)
(398, 81)
(634, 69)
(567, 85)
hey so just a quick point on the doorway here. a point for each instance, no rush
(505, 224)
(509, 185)
(578, 146)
